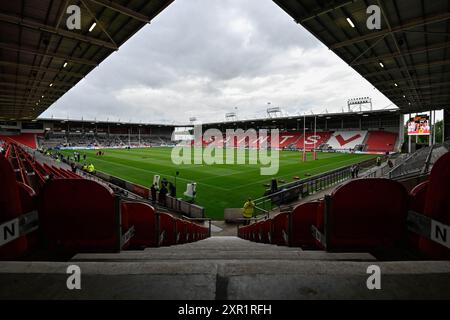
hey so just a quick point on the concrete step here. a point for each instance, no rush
(237, 248)
(224, 255)
(234, 280)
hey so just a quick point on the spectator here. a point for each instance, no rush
(248, 210)
(153, 193)
(390, 163)
(172, 190)
(91, 168)
(274, 186)
(357, 167)
(379, 161)
(162, 195)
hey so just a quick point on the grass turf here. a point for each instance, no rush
(218, 186)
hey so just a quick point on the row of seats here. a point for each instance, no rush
(27, 139)
(363, 215)
(381, 141)
(313, 141)
(153, 230)
(78, 215)
(15, 199)
(376, 141)
(31, 172)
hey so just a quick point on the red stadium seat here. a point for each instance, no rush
(10, 208)
(303, 217)
(437, 205)
(417, 197)
(28, 200)
(263, 231)
(366, 214)
(280, 229)
(78, 216)
(266, 231)
(142, 217)
(166, 230)
(181, 226)
(253, 232)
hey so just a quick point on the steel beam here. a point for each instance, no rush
(122, 9)
(408, 25)
(50, 29)
(64, 58)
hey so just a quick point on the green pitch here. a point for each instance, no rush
(218, 186)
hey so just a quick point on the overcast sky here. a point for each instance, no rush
(205, 58)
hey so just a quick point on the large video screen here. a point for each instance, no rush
(419, 125)
(183, 134)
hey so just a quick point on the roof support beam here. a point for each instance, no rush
(122, 9)
(415, 67)
(63, 33)
(5, 97)
(406, 26)
(29, 67)
(24, 78)
(8, 84)
(324, 10)
(13, 47)
(432, 85)
(416, 79)
(385, 57)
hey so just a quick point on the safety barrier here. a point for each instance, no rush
(296, 190)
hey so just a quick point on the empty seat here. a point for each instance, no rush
(304, 216)
(280, 229)
(263, 231)
(142, 217)
(27, 197)
(10, 208)
(266, 231)
(182, 227)
(28, 201)
(437, 206)
(366, 214)
(253, 231)
(78, 216)
(417, 197)
(166, 230)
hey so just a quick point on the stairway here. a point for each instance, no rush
(224, 268)
(222, 248)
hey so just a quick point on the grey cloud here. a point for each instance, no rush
(205, 57)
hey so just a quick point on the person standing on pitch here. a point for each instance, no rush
(248, 210)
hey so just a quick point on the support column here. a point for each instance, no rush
(401, 132)
(430, 123)
(446, 126)
(409, 138)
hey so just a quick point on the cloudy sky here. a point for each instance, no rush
(205, 58)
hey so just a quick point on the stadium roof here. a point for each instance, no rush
(41, 59)
(408, 59)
